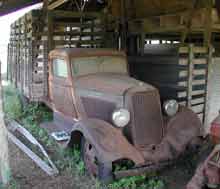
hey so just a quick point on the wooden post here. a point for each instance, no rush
(123, 25)
(208, 26)
(4, 160)
(190, 75)
(208, 89)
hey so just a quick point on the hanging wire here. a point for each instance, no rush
(81, 6)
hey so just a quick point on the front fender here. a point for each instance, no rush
(183, 129)
(108, 140)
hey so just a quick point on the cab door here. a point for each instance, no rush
(61, 87)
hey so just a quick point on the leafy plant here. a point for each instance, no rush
(12, 185)
(155, 184)
(12, 105)
(129, 182)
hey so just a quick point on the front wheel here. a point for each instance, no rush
(94, 166)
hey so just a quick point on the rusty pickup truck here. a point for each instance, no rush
(114, 117)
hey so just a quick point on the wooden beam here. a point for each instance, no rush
(50, 32)
(45, 5)
(47, 166)
(4, 159)
(56, 4)
(190, 76)
(208, 25)
(32, 155)
(74, 14)
(208, 86)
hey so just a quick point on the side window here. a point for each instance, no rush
(60, 68)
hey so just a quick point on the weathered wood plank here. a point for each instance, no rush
(4, 159)
(71, 14)
(56, 4)
(32, 155)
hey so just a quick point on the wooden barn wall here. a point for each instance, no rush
(179, 73)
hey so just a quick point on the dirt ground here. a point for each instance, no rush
(28, 176)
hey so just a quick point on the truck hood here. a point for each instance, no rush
(111, 83)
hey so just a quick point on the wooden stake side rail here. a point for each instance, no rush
(30, 44)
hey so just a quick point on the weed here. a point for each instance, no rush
(154, 184)
(12, 185)
(129, 182)
(138, 182)
(12, 104)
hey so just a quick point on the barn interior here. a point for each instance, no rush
(173, 45)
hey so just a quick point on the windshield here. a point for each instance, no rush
(104, 64)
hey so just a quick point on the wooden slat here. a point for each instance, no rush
(194, 93)
(32, 155)
(198, 108)
(198, 101)
(77, 24)
(194, 82)
(5, 172)
(197, 50)
(63, 42)
(71, 14)
(78, 33)
(198, 61)
(56, 4)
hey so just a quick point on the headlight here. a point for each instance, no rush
(121, 117)
(171, 107)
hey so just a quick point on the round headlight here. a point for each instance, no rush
(171, 107)
(121, 117)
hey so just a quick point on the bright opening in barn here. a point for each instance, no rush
(5, 23)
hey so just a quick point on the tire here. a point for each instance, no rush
(94, 166)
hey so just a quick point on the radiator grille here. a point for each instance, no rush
(147, 125)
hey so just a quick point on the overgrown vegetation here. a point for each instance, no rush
(12, 185)
(33, 114)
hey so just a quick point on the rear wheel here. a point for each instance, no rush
(93, 164)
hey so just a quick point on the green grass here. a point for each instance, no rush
(33, 114)
(13, 185)
(12, 105)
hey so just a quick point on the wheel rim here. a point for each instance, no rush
(90, 159)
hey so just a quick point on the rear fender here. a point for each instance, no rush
(108, 140)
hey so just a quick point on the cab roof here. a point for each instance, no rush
(83, 52)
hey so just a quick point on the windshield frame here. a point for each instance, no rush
(72, 59)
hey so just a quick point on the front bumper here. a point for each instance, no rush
(141, 170)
